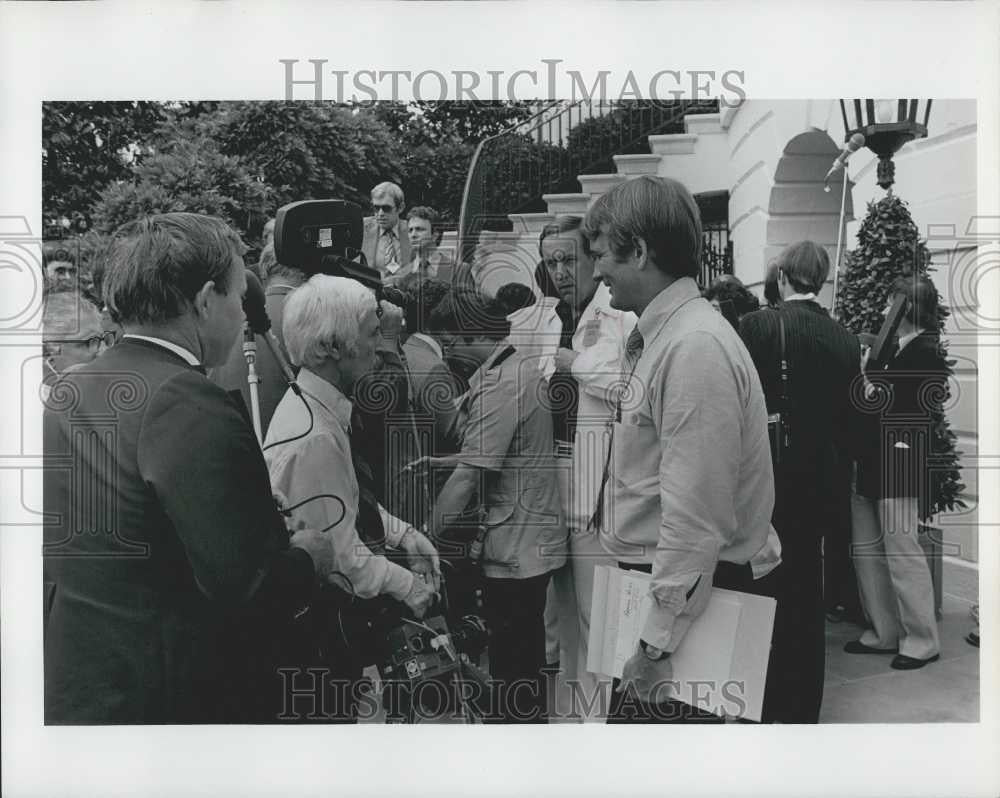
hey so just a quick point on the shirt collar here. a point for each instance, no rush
(180, 351)
(328, 395)
(665, 304)
(800, 297)
(434, 345)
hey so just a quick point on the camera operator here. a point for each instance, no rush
(175, 580)
(331, 330)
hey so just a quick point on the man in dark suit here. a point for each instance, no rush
(823, 360)
(386, 244)
(175, 578)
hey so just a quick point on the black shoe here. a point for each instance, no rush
(836, 614)
(972, 638)
(901, 662)
(857, 647)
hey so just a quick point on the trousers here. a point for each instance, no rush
(567, 622)
(897, 593)
(515, 610)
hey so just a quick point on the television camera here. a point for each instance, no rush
(324, 237)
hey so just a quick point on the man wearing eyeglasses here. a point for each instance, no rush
(72, 334)
(386, 244)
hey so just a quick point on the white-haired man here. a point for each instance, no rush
(331, 330)
(386, 244)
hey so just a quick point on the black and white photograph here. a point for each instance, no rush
(372, 390)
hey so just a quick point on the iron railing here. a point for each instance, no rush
(716, 252)
(511, 171)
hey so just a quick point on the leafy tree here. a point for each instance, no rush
(85, 147)
(189, 175)
(889, 247)
(470, 122)
(305, 150)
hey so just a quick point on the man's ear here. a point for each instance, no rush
(202, 299)
(641, 252)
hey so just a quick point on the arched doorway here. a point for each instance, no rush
(799, 208)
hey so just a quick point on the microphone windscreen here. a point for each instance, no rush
(253, 305)
(856, 142)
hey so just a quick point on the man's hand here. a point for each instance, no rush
(420, 597)
(647, 678)
(319, 547)
(565, 358)
(422, 557)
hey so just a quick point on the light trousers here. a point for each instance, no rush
(567, 615)
(897, 593)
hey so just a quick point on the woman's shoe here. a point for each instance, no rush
(972, 638)
(901, 662)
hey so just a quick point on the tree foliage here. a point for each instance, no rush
(889, 247)
(87, 146)
(189, 174)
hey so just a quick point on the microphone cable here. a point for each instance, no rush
(343, 509)
(298, 392)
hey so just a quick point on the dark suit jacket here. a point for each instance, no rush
(824, 362)
(232, 375)
(174, 581)
(898, 433)
(372, 233)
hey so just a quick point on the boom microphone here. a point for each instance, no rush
(256, 312)
(855, 143)
(254, 305)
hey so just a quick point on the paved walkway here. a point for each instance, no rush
(862, 688)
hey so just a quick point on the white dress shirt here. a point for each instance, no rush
(320, 463)
(599, 342)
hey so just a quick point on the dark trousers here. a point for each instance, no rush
(515, 614)
(795, 673)
(625, 708)
(840, 584)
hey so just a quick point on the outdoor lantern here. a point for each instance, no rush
(886, 125)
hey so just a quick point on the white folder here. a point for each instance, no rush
(720, 664)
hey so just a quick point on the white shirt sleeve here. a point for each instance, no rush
(319, 467)
(597, 368)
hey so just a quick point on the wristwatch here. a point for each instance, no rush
(652, 652)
